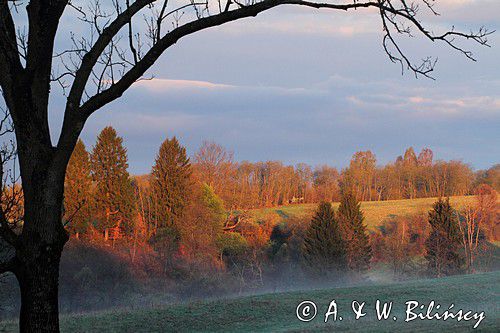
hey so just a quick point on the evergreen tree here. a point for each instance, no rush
(115, 204)
(443, 245)
(350, 218)
(171, 179)
(78, 197)
(323, 250)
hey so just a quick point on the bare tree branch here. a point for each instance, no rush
(117, 89)
(91, 57)
(388, 13)
(10, 195)
(10, 62)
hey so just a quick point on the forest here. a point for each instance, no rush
(190, 227)
(79, 233)
(101, 196)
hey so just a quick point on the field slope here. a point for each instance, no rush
(276, 312)
(376, 212)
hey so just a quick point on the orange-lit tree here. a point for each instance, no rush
(100, 66)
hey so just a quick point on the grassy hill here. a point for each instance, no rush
(375, 211)
(276, 312)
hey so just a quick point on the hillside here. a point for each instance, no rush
(376, 212)
(276, 312)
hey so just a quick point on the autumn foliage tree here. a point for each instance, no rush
(488, 211)
(326, 183)
(106, 50)
(78, 191)
(478, 223)
(214, 166)
(202, 225)
(114, 194)
(358, 177)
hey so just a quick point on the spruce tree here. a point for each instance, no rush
(78, 196)
(350, 218)
(323, 249)
(443, 245)
(114, 193)
(171, 179)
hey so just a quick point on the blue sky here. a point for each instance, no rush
(302, 85)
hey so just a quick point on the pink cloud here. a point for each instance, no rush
(168, 84)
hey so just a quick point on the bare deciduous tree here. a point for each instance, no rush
(475, 224)
(115, 49)
(470, 228)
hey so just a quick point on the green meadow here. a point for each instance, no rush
(277, 312)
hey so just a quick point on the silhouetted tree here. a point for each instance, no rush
(350, 217)
(443, 245)
(324, 250)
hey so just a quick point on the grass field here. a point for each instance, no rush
(276, 312)
(376, 212)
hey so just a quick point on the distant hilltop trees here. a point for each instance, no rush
(102, 197)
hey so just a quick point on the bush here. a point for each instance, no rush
(94, 276)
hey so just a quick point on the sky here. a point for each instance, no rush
(302, 85)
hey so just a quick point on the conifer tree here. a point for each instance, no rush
(78, 196)
(443, 245)
(171, 179)
(324, 250)
(350, 218)
(115, 204)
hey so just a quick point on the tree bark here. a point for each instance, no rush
(38, 278)
(42, 239)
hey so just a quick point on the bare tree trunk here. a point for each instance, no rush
(41, 242)
(38, 279)
(37, 268)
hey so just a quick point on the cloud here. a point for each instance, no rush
(301, 85)
(322, 123)
(159, 85)
(333, 25)
(431, 105)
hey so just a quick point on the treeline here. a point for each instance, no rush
(245, 185)
(100, 191)
(184, 229)
(264, 184)
(169, 212)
